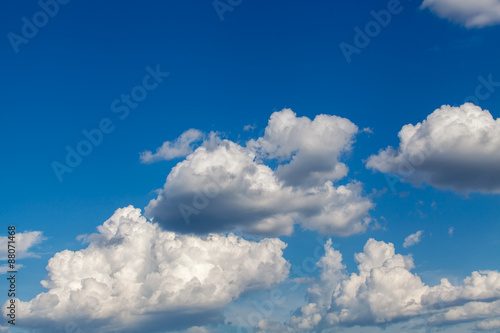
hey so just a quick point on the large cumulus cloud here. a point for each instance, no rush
(135, 276)
(455, 148)
(471, 14)
(384, 291)
(223, 186)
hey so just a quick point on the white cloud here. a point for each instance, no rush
(223, 186)
(134, 275)
(471, 14)
(249, 127)
(181, 147)
(384, 291)
(5, 268)
(24, 242)
(413, 239)
(455, 148)
(451, 230)
(197, 329)
(309, 150)
(488, 325)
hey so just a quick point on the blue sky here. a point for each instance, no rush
(226, 74)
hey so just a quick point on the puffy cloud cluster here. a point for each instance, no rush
(455, 148)
(134, 275)
(471, 14)
(386, 291)
(223, 186)
(181, 147)
(311, 149)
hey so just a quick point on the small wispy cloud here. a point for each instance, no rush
(470, 14)
(182, 146)
(249, 127)
(24, 242)
(413, 239)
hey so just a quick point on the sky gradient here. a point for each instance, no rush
(274, 123)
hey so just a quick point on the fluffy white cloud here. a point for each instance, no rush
(471, 14)
(413, 239)
(134, 275)
(309, 150)
(181, 147)
(223, 186)
(386, 291)
(455, 148)
(24, 242)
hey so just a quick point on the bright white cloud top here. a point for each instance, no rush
(223, 186)
(309, 150)
(455, 148)
(471, 14)
(134, 276)
(384, 291)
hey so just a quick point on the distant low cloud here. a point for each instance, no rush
(135, 277)
(223, 186)
(413, 239)
(181, 147)
(471, 14)
(385, 291)
(455, 148)
(488, 325)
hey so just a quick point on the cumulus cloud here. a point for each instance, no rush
(413, 239)
(309, 150)
(455, 148)
(223, 186)
(24, 242)
(384, 291)
(181, 147)
(471, 14)
(135, 276)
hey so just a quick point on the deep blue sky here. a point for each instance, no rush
(264, 56)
